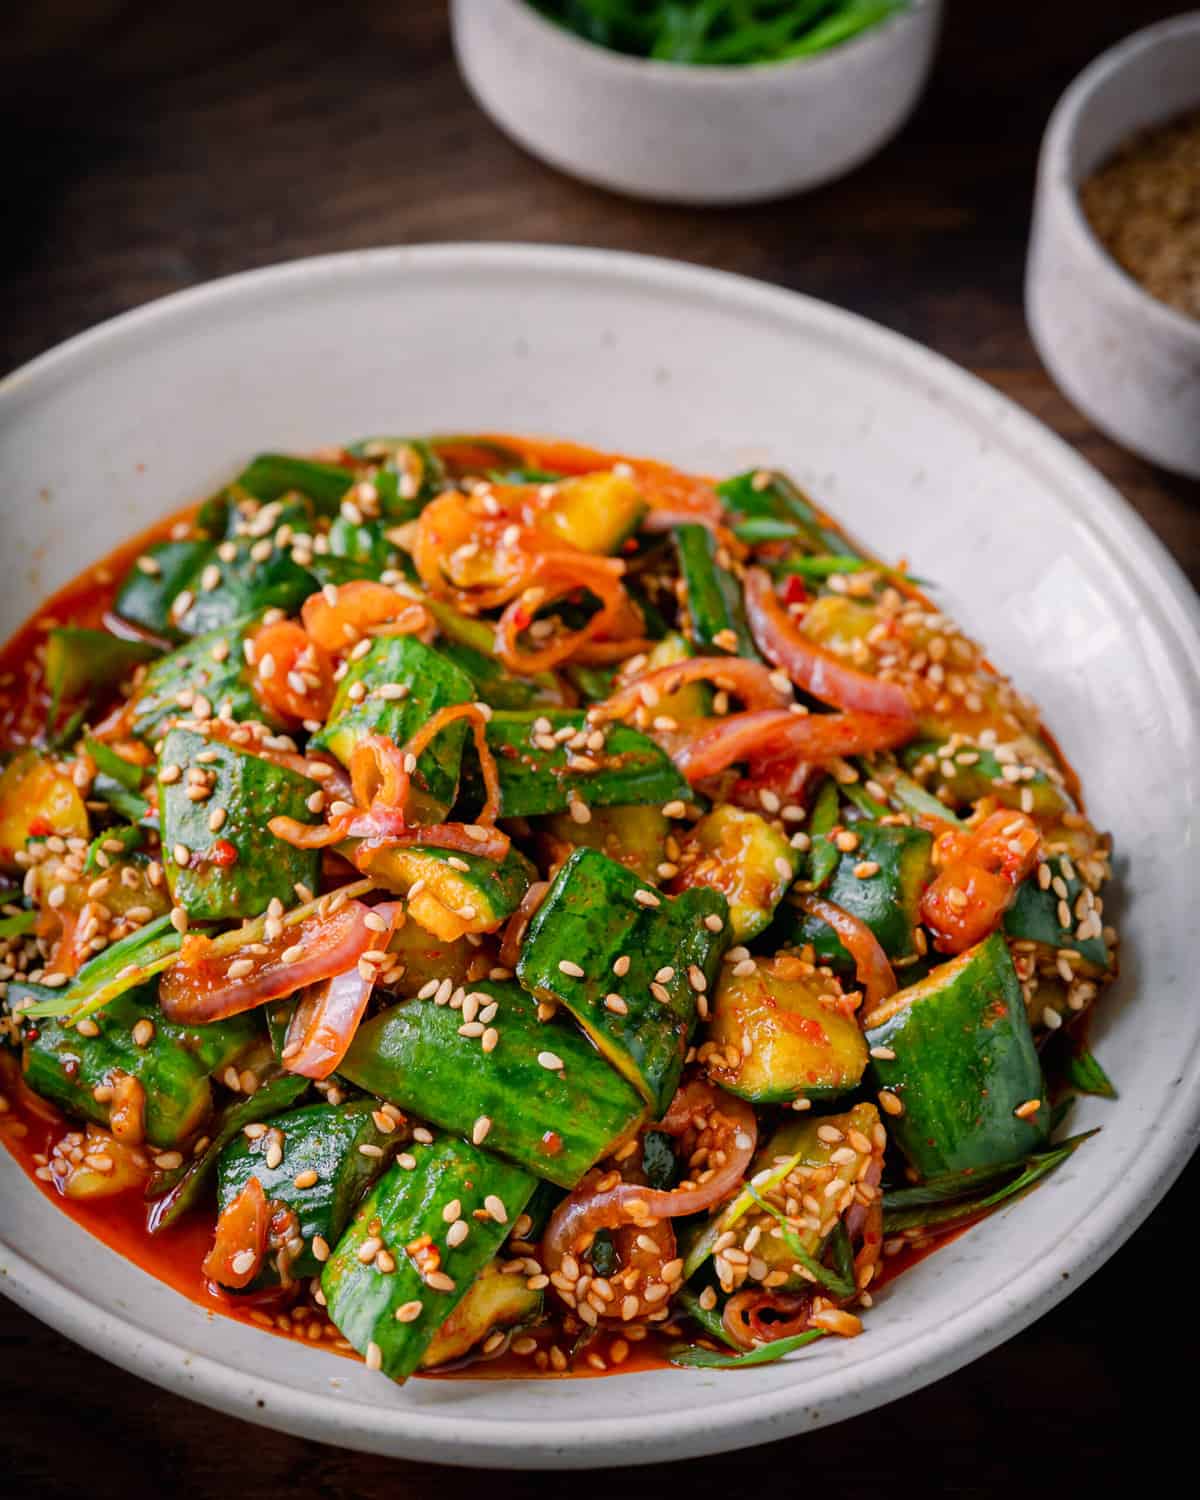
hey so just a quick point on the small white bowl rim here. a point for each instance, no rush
(1055, 179)
(1079, 1248)
(715, 75)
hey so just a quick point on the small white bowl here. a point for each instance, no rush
(1129, 362)
(684, 134)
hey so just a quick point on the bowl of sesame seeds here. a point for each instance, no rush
(1112, 289)
(616, 351)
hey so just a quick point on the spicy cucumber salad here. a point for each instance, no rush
(481, 899)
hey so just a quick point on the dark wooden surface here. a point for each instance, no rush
(154, 146)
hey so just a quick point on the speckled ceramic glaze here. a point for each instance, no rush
(1128, 361)
(1025, 543)
(684, 134)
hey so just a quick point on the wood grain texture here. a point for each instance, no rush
(154, 146)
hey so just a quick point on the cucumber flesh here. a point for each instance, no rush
(391, 1316)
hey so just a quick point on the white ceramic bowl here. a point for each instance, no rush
(1130, 362)
(106, 432)
(683, 134)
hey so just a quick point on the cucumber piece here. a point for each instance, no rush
(554, 1123)
(634, 836)
(1034, 917)
(35, 794)
(888, 901)
(964, 1062)
(779, 1034)
(421, 957)
(409, 1211)
(594, 512)
(270, 476)
(458, 893)
(173, 1067)
(433, 682)
(211, 883)
(797, 1160)
(694, 699)
(410, 474)
(713, 596)
(976, 771)
(145, 598)
(212, 670)
(363, 543)
(744, 857)
(248, 585)
(174, 1191)
(536, 778)
(597, 914)
(496, 1299)
(82, 664)
(327, 1139)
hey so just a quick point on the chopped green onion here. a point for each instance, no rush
(692, 1358)
(834, 1282)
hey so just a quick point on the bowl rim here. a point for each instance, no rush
(713, 75)
(1078, 1250)
(1055, 180)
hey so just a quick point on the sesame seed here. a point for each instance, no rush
(480, 1130)
(274, 1155)
(621, 966)
(890, 1103)
(409, 1312)
(320, 1248)
(1030, 1107)
(713, 922)
(550, 1060)
(660, 993)
(489, 1039)
(566, 966)
(665, 974)
(496, 1208)
(243, 1261)
(884, 1054)
(305, 1179)
(439, 1281)
(616, 1005)
(374, 1356)
(182, 855)
(647, 898)
(239, 968)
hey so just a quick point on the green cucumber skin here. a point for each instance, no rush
(173, 1069)
(1033, 918)
(247, 587)
(270, 476)
(534, 781)
(83, 663)
(555, 1126)
(325, 1138)
(433, 681)
(965, 1060)
(714, 597)
(144, 599)
(496, 889)
(193, 666)
(407, 1204)
(888, 902)
(179, 1189)
(590, 917)
(983, 778)
(251, 790)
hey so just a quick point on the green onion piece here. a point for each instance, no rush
(689, 1357)
(1037, 1166)
(709, 1318)
(130, 962)
(834, 1282)
(1085, 1075)
(19, 925)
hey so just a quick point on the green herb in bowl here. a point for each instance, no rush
(718, 32)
